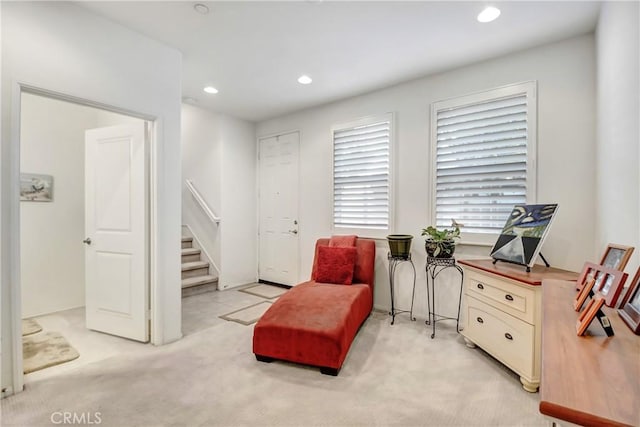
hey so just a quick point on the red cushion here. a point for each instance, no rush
(364, 272)
(336, 264)
(343, 241)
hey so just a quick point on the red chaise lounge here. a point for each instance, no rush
(314, 323)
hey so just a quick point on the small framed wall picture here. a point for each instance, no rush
(36, 187)
(630, 311)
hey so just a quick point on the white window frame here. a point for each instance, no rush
(529, 89)
(364, 231)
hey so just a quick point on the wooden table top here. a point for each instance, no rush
(518, 272)
(593, 380)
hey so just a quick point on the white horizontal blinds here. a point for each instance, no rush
(361, 176)
(481, 163)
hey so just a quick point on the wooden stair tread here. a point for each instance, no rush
(187, 239)
(194, 265)
(198, 280)
(190, 251)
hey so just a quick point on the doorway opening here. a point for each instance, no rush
(57, 272)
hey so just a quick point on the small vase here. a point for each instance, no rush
(400, 245)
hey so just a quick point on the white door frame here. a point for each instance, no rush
(14, 220)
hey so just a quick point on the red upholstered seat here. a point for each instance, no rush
(315, 323)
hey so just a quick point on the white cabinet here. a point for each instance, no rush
(502, 313)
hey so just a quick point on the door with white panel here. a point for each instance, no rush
(279, 255)
(116, 204)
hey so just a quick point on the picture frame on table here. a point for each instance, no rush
(616, 257)
(588, 273)
(610, 287)
(630, 311)
(584, 293)
(590, 313)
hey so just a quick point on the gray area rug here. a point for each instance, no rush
(248, 315)
(265, 291)
(393, 376)
(44, 350)
(30, 326)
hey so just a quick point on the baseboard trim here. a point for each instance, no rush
(280, 285)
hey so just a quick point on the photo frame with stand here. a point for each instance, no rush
(588, 273)
(523, 234)
(593, 310)
(630, 311)
(582, 296)
(610, 286)
(616, 257)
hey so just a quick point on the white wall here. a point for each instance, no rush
(565, 73)
(52, 134)
(218, 154)
(239, 203)
(52, 253)
(63, 48)
(618, 137)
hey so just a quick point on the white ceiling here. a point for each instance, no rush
(253, 52)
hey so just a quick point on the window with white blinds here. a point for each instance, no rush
(484, 157)
(361, 174)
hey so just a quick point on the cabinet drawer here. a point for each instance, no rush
(508, 339)
(511, 298)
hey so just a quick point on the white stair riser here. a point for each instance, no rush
(200, 289)
(190, 257)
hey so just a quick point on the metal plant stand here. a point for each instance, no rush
(435, 266)
(393, 263)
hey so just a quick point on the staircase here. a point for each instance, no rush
(195, 272)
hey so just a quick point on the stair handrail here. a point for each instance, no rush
(203, 204)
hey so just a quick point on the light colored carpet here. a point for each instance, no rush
(248, 315)
(265, 291)
(393, 376)
(44, 350)
(30, 326)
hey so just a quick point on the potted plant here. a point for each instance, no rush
(440, 243)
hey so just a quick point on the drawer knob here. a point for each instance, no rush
(508, 297)
(480, 286)
(479, 319)
(508, 336)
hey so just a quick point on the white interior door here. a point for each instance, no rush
(116, 196)
(279, 209)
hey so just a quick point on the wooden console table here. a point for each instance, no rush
(592, 380)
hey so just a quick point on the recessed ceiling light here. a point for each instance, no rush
(488, 14)
(210, 89)
(202, 9)
(304, 79)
